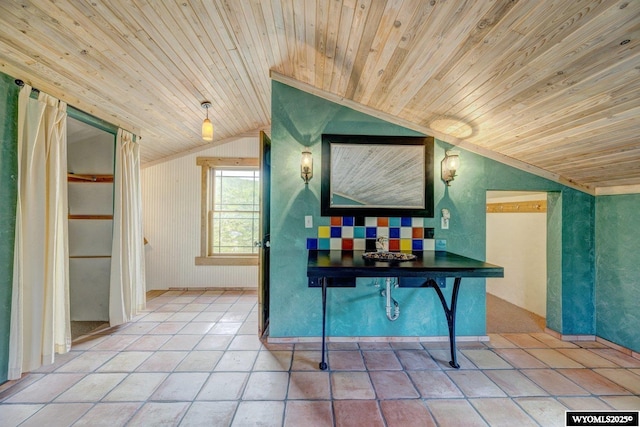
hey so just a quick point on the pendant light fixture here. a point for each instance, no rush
(207, 126)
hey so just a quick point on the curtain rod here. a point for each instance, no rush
(21, 84)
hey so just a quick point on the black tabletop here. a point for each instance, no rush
(326, 263)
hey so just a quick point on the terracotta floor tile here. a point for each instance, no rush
(584, 403)
(46, 389)
(623, 377)
(553, 358)
(227, 328)
(168, 328)
(374, 345)
(306, 360)
(181, 342)
(236, 361)
(182, 316)
(593, 382)
(519, 358)
(92, 387)
(347, 360)
(108, 415)
(486, 359)
(196, 328)
(552, 341)
(475, 384)
(309, 385)
(13, 415)
(554, 383)
(57, 415)
(252, 413)
(414, 360)
(381, 360)
(502, 412)
(587, 358)
(357, 413)
(162, 361)
(87, 362)
(266, 386)
(273, 360)
(498, 341)
(524, 341)
(434, 384)
(351, 385)
(442, 358)
(245, 342)
(454, 413)
(149, 343)
(223, 386)
(393, 385)
(406, 413)
(126, 361)
(210, 414)
(617, 357)
(137, 387)
(545, 410)
(180, 386)
(208, 316)
(214, 342)
(200, 361)
(159, 414)
(514, 383)
(622, 402)
(308, 414)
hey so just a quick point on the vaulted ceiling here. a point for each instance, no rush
(552, 87)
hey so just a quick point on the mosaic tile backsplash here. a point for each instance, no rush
(358, 233)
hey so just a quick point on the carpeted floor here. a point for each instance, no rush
(504, 317)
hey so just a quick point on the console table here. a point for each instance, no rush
(430, 269)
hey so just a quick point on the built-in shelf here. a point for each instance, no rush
(90, 216)
(90, 256)
(72, 177)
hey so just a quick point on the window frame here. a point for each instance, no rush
(206, 165)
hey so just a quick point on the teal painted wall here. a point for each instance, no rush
(298, 121)
(8, 193)
(618, 269)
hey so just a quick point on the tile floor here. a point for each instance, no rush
(193, 359)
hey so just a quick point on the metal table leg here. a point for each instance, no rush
(450, 314)
(323, 364)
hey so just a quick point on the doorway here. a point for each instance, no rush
(517, 240)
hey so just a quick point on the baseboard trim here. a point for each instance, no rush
(299, 340)
(578, 338)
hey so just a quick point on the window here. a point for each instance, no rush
(230, 211)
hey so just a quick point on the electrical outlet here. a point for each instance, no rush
(308, 221)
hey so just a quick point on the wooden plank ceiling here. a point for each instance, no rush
(549, 86)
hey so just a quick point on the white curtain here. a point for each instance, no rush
(40, 325)
(127, 289)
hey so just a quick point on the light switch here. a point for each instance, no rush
(308, 221)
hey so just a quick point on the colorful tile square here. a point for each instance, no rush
(336, 232)
(323, 244)
(358, 221)
(394, 232)
(312, 244)
(336, 220)
(382, 231)
(358, 232)
(324, 231)
(394, 222)
(383, 222)
(416, 245)
(347, 244)
(347, 232)
(370, 245)
(347, 221)
(405, 232)
(428, 245)
(359, 245)
(417, 232)
(394, 245)
(405, 221)
(417, 222)
(371, 221)
(335, 244)
(405, 244)
(371, 233)
(428, 233)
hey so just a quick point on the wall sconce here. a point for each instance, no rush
(306, 166)
(207, 126)
(450, 165)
